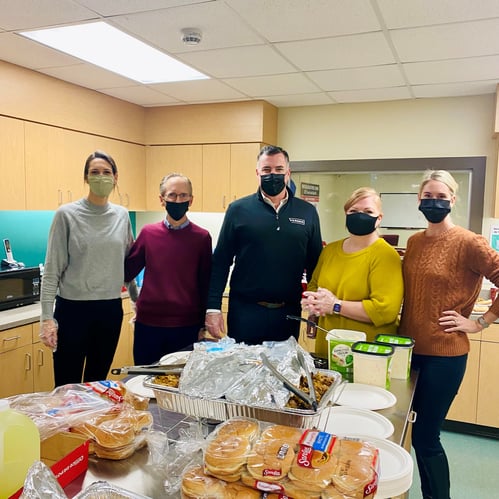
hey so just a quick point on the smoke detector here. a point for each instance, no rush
(191, 36)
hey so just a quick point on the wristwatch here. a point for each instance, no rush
(483, 322)
(337, 307)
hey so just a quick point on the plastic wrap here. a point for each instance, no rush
(66, 406)
(105, 490)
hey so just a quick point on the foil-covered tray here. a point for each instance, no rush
(172, 400)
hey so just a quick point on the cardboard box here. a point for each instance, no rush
(67, 456)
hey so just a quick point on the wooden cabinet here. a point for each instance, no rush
(124, 351)
(243, 179)
(162, 160)
(24, 362)
(488, 393)
(13, 185)
(43, 363)
(464, 407)
(478, 397)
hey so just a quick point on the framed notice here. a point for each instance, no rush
(310, 192)
(494, 237)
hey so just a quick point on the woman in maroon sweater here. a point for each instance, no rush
(443, 270)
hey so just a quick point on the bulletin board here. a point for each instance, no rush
(400, 211)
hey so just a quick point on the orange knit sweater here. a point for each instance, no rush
(444, 272)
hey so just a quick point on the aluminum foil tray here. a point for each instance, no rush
(172, 400)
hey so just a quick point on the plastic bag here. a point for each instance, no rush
(41, 483)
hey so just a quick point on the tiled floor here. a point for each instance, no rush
(474, 467)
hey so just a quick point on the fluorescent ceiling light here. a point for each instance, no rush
(111, 49)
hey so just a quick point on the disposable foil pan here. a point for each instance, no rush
(172, 400)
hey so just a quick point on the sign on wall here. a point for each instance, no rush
(310, 192)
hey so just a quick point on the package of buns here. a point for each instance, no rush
(118, 433)
(291, 462)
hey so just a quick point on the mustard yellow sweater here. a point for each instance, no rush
(444, 273)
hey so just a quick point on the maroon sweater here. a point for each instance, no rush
(444, 273)
(176, 277)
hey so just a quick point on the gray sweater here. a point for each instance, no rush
(85, 253)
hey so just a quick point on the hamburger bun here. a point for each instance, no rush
(226, 455)
(281, 432)
(270, 460)
(300, 490)
(195, 484)
(318, 475)
(239, 427)
(240, 491)
(251, 481)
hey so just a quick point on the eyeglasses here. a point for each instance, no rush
(172, 196)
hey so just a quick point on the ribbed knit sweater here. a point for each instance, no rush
(444, 272)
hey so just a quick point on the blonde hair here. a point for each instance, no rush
(361, 193)
(440, 176)
(165, 179)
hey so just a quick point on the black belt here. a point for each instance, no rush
(267, 304)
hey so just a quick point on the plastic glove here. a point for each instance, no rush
(214, 323)
(48, 333)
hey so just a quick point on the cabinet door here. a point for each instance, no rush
(43, 368)
(16, 366)
(488, 393)
(216, 177)
(162, 160)
(13, 186)
(131, 162)
(464, 407)
(243, 180)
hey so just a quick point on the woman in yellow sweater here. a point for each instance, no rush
(443, 270)
(357, 283)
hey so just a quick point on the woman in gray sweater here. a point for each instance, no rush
(83, 275)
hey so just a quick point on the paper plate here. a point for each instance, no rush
(135, 385)
(175, 358)
(348, 421)
(363, 396)
(396, 467)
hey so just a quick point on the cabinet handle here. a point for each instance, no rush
(12, 338)
(70, 196)
(127, 200)
(411, 417)
(27, 362)
(40, 360)
(59, 197)
(223, 201)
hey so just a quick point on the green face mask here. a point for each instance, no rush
(101, 185)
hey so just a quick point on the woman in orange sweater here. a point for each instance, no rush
(443, 270)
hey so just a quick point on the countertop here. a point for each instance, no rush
(135, 475)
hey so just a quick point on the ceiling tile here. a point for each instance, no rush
(273, 85)
(399, 14)
(113, 8)
(299, 20)
(88, 75)
(455, 89)
(141, 95)
(371, 95)
(220, 27)
(23, 52)
(27, 14)
(447, 42)
(357, 78)
(342, 52)
(199, 90)
(455, 70)
(320, 99)
(237, 62)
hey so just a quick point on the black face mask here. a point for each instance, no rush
(434, 210)
(361, 224)
(272, 183)
(176, 210)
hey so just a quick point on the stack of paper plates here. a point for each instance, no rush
(366, 397)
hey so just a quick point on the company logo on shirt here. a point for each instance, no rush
(299, 221)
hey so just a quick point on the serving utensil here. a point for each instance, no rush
(307, 321)
(310, 378)
(152, 369)
(292, 388)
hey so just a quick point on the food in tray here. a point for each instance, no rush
(172, 380)
(321, 381)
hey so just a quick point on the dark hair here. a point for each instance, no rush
(272, 151)
(100, 155)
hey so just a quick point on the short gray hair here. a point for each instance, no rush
(165, 179)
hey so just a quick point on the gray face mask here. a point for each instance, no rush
(101, 185)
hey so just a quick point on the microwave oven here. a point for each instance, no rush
(19, 287)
